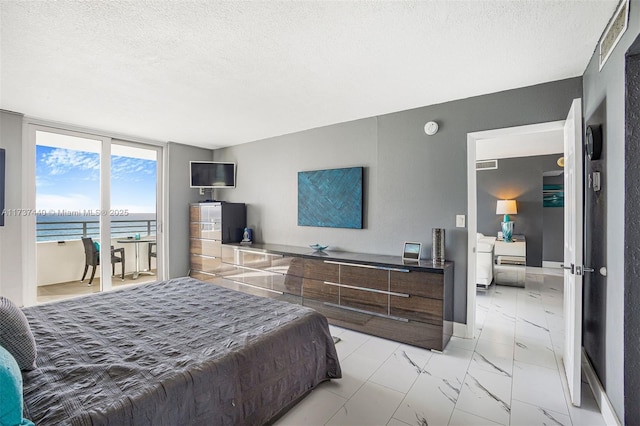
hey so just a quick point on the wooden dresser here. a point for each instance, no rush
(211, 225)
(379, 295)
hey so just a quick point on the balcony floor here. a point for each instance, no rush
(49, 293)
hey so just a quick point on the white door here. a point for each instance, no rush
(573, 268)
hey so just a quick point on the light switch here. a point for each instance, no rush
(459, 221)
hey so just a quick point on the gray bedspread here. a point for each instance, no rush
(176, 352)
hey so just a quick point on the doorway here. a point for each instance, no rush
(495, 145)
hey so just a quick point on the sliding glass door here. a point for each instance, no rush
(134, 171)
(96, 212)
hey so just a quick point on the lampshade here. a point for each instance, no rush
(506, 207)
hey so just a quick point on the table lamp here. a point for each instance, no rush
(507, 207)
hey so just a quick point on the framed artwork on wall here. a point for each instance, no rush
(553, 195)
(331, 198)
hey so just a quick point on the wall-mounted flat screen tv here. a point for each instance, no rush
(331, 198)
(2, 174)
(212, 174)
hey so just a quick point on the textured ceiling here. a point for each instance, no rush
(221, 73)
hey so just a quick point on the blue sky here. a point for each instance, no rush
(70, 179)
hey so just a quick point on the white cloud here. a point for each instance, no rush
(128, 168)
(61, 161)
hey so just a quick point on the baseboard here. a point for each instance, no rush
(460, 330)
(549, 264)
(606, 409)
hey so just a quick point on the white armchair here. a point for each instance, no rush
(484, 260)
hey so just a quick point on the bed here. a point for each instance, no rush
(175, 352)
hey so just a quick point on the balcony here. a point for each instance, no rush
(61, 258)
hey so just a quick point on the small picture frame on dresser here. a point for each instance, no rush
(411, 251)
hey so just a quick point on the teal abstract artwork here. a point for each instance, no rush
(331, 198)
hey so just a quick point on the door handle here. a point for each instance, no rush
(585, 269)
(570, 268)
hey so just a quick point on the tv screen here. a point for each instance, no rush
(212, 174)
(2, 155)
(331, 198)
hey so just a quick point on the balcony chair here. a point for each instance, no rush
(92, 258)
(151, 253)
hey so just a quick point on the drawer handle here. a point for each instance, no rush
(262, 253)
(206, 257)
(372, 290)
(358, 265)
(364, 311)
(263, 271)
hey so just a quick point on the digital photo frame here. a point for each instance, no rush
(411, 251)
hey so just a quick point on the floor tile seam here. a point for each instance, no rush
(565, 390)
(412, 383)
(338, 409)
(473, 414)
(358, 390)
(558, 373)
(347, 399)
(546, 409)
(398, 420)
(464, 379)
(556, 370)
(355, 349)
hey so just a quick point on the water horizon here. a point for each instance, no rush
(72, 226)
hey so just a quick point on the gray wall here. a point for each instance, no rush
(179, 196)
(11, 234)
(552, 227)
(632, 237)
(414, 182)
(606, 88)
(519, 179)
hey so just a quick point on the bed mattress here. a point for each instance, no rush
(176, 352)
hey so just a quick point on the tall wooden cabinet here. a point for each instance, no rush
(210, 226)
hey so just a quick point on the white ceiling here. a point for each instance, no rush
(221, 73)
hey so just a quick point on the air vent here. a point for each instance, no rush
(486, 165)
(611, 36)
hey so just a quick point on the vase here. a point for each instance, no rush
(507, 231)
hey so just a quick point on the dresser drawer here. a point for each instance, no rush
(364, 300)
(417, 308)
(318, 290)
(363, 276)
(210, 212)
(205, 263)
(205, 247)
(211, 231)
(415, 283)
(321, 271)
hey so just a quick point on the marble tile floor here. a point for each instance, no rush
(59, 291)
(510, 374)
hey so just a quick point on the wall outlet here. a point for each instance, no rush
(460, 221)
(201, 191)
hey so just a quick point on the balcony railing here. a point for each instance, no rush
(74, 230)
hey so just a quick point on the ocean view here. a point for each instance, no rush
(72, 227)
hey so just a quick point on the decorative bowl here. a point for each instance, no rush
(318, 247)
